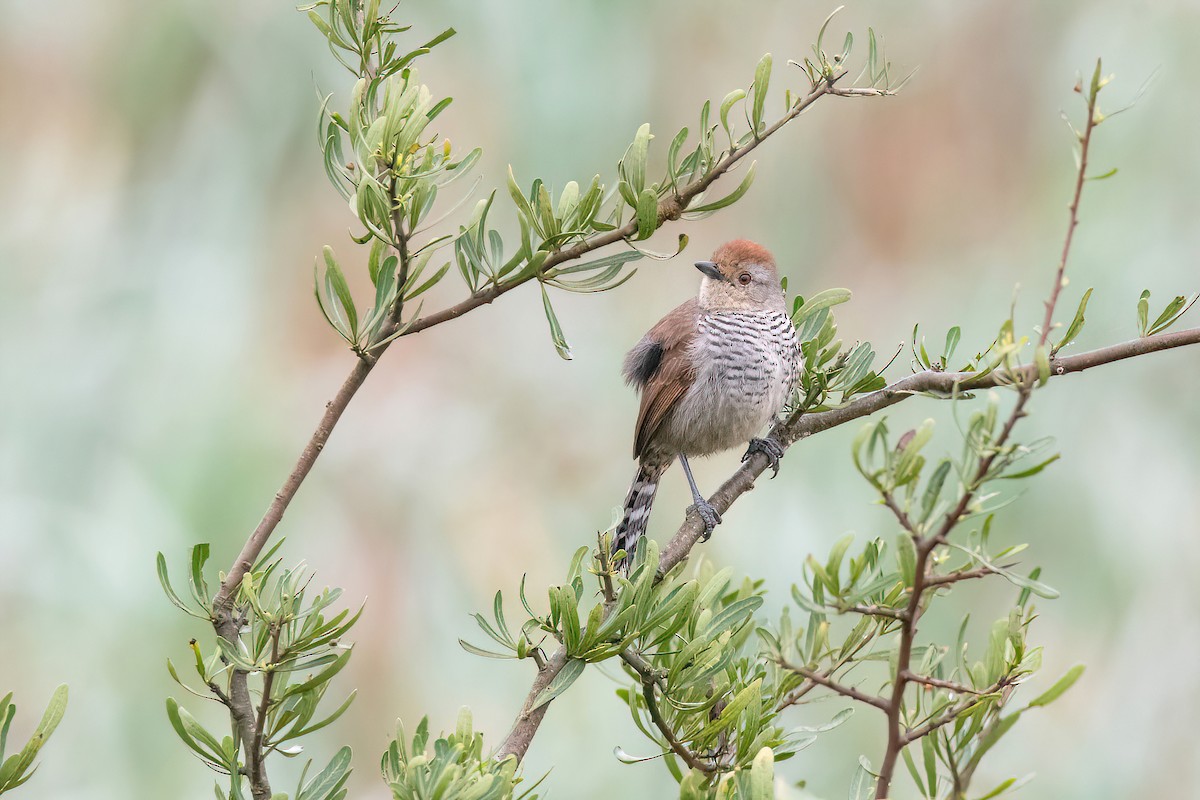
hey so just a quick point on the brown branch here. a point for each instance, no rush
(1085, 141)
(933, 581)
(1024, 380)
(874, 611)
(823, 679)
(677, 747)
(650, 678)
(670, 208)
(952, 713)
(889, 500)
(258, 773)
(938, 683)
(800, 426)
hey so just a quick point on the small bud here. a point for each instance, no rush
(905, 439)
(1078, 86)
(446, 149)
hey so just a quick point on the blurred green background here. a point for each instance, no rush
(163, 359)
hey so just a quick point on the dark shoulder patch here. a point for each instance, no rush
(642, 362)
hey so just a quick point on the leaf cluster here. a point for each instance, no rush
(18, 767)
(454, 768)
(832, 375)
(291, 643)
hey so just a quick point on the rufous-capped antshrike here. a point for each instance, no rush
(712, 374)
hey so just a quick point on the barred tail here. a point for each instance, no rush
(637, 509)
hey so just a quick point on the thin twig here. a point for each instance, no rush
(670, 208)
(960, 575)
(258, 775)
(875, 611)
(938, 683)
(952, 712)
(1024, 382)
(650, 678)
(823, 679)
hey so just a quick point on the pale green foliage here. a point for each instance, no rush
(292, 645)
(454, 768)
(382, 157)
(19, 767)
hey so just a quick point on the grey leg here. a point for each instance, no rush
(769, 447)
(707, 513)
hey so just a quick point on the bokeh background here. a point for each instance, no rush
(163, 360)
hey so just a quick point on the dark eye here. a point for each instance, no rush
(744, 279)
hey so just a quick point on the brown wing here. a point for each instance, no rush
(672, 375)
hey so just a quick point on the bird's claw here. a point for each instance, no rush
(769, 447)
(709, 516)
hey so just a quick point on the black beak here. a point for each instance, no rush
(710, 269)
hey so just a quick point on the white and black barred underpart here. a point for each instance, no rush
(745, 365)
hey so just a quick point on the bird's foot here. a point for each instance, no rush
(709, 516)
(769, 447)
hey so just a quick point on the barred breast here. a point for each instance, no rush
(746, 365)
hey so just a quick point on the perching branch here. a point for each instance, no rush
(800, 426)
(670, 208)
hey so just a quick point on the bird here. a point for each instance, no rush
(711, 374)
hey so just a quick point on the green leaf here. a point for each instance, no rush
(334, 275)
(1143, 313)
(1035, 469)
(196, 737)
(634, 162)
(1042, 359)
(739, 703)
(730, 198)
(821, 300)
(429, 284)
(647, 214)
(1076, 324)
(562, 681)
(616, 259)
(197, 583)
(556, 332)
(762, 79)
(1103, 176)
(161, 563)
(16, 769)
(322, 677)
(328, 780)
(1059, 688)
(906, 556)
(862, 785)
(726, 105)
(1174, 310)
(1004, 785)
(952, 337)
(762, 776)
(519, 199)
(933, 489)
